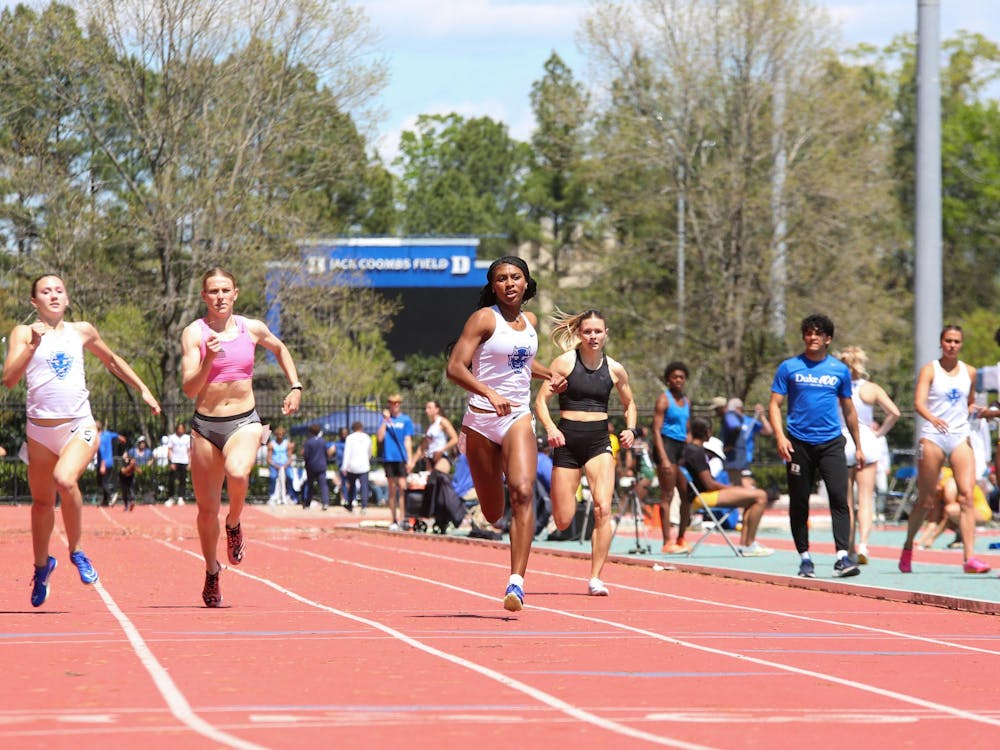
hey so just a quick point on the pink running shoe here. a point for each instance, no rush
(906, 561)
(975, 565)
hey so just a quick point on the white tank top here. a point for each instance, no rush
(57, 386)
(866, 412)
(503, 363)
(437, 438)
(948, 399)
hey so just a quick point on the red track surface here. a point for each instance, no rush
(337, 637)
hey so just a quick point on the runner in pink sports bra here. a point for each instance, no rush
(217, 369)
(234, 361)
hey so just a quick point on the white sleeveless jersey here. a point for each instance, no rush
(437, 438)
(866, 415)
(57, 386)
(503, 363)
(948, 399)
(865, 412)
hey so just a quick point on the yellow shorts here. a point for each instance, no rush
(708, 499)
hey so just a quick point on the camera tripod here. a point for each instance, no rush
(632, 504)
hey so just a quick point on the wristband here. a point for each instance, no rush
(296, 387)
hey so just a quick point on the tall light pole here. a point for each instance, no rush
(927, 262)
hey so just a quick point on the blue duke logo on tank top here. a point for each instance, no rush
(518, 358)
(61, 363)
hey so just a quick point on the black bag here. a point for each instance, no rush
(573, 531)
(442, 503)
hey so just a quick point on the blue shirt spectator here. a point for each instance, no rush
(461, 482)
(813, 390)
(544, 471)
(397, 429)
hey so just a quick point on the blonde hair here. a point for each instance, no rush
(566, 327)
(855, 359)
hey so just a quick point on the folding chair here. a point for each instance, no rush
(715, 518)
(902, 490)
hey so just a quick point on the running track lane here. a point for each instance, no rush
(360, 638)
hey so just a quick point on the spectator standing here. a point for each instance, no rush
(395, 434)
(315, 455)
(161, 452)
(179, 458)
(865, 395)
(106, 463)
(133, 461)
(738, 434)
(355, 466)
(818, 390)
(671, 415)
(280, 452)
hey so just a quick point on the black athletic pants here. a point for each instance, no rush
(827, 461)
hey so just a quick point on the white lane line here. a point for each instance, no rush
(168, 689)
(713, 603)
(510, 682)
(174, 698)
(891, 694)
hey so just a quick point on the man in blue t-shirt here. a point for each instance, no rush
(818, 388)
(106, 462)
(396, 437)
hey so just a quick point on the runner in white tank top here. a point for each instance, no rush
(494, 360)
(61, 432)
(944, 399)
(503, 363)
(948, 400)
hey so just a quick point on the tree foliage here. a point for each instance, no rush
(462, 177)
(704, 105)
(161, 140)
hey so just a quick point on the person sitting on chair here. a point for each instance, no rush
(752, 500)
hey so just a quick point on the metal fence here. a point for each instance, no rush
(149, 485)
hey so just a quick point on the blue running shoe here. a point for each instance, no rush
(40, 582)
(807, 569)
(87, 573)
(845, 567)
(513, 600)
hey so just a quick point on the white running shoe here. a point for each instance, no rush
(393, 526)
(596, 587)
(756, 550)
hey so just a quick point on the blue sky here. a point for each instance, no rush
(480, 57)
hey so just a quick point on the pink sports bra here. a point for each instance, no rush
(235, 360)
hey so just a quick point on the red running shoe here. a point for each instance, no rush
(212, 594)
(234, 544)
(906, 561)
